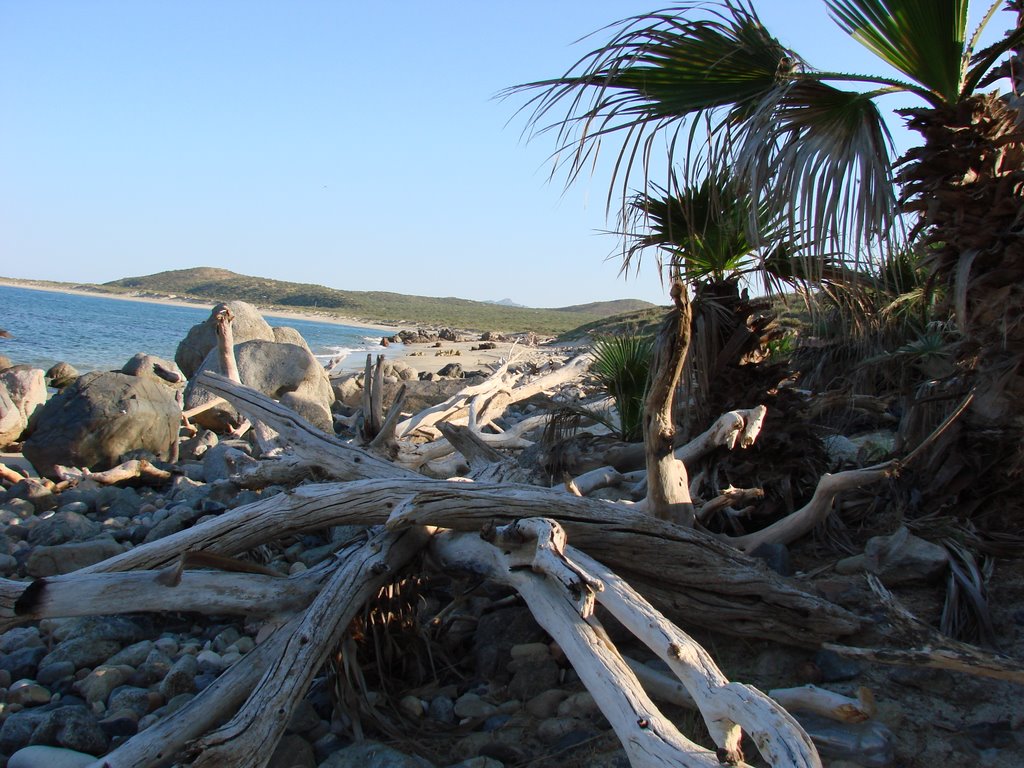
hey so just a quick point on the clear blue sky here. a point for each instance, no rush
(318, 141)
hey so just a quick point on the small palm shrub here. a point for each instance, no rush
(622, 367)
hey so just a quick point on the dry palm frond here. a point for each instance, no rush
(965, 614)
(385, 652)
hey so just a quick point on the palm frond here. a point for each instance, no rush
(923, 39)
(657, 72)
(621, 365)
(822, 158)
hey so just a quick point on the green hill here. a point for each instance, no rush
(217, 285)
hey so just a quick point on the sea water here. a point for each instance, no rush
(94, 333)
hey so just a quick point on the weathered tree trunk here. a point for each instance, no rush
(668, 489)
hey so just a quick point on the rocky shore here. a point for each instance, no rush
(441, 668)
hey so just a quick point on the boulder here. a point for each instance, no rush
(149, 365)
(285, 335)
(275, 369)
(99, 419)
(5, 362)
(25, 394)
(61, 374)
(248, 324)
(12, 423)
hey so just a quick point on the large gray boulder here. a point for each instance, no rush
(101, 417)
(22, 394)
(285, 372)
(162, 370)
(248, 324)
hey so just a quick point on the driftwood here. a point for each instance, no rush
(934, 650)
(560, 586)
(135, 469)
(9, 475)
(273, 677)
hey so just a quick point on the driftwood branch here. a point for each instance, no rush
(934, 650)
(249, 738)
(337, 458)
(804, 520)
(559, 588)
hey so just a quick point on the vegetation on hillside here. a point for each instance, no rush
(372, 306)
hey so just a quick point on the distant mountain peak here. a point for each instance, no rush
(505, 303)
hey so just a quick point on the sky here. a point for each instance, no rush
(355, 145)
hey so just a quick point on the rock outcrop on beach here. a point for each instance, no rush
(22, 394)
(247, 324)
(286, 372)
(100, 419)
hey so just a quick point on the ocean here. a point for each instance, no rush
(94, 333)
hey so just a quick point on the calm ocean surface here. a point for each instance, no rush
(93, 333)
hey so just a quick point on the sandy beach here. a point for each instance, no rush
(318, 317)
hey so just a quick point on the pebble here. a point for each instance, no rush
(412, 706)
(38, 756)
(470, 705)
(100, 683)
(27, 693)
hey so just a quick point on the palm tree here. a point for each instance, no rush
(812, 146)
(702, 231)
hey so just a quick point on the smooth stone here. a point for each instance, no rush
(38, 756)
(24, 662)
(581, 705)
(120, 724)
(99, 684)
(470, 705)
(545, 705)
(371, 753)
(51, 673)
(293, 752)
(133, 655)
(166, 645)
(130, 698)
(74, 727)
(835, 668)
(65, 558)
(412, 706)
(20, 637)
(18, 728)
(210, 661)
(82, 652)
(479, 762)
(225, 638)
(442, 710)
(180, 678)
(304, 719)
(28, 693)
(553, 729)
(153, 669)
(177, 703)
(532, 676)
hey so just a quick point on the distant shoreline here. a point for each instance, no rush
(55, 287)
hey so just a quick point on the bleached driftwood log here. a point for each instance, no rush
(135, 469)
(804, 520)
(335, 457)
(834, 706)
(500, 383)
(560, 585)
(739, 428)
(690, 576)
(271, 679)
